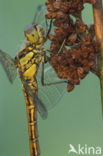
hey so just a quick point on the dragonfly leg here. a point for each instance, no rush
(52, 52)
(44, 60)
(48, 29)
(48, 51)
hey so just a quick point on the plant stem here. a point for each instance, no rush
(98, 22)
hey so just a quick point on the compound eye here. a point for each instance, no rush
(33, 35)
(35, 26)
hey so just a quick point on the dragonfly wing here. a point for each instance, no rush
(8, 65)
(39, 17)
(50, 95)
(42, 109)
(36, 101)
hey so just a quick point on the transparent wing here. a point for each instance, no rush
(42, 109)
(8, 65)
(36, 101)
(50, 95)
(39, 17)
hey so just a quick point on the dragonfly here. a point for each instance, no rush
(32, 64)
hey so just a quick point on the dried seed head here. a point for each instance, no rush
(78, 54)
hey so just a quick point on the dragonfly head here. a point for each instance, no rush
(35, 34)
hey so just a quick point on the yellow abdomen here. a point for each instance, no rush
(27, 62)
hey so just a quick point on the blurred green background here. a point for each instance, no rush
(75, 120)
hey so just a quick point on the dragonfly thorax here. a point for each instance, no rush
(35, 34)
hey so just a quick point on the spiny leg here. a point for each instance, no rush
(48, 29)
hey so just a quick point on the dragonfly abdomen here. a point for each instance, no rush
(32, 125)
(27, 61)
